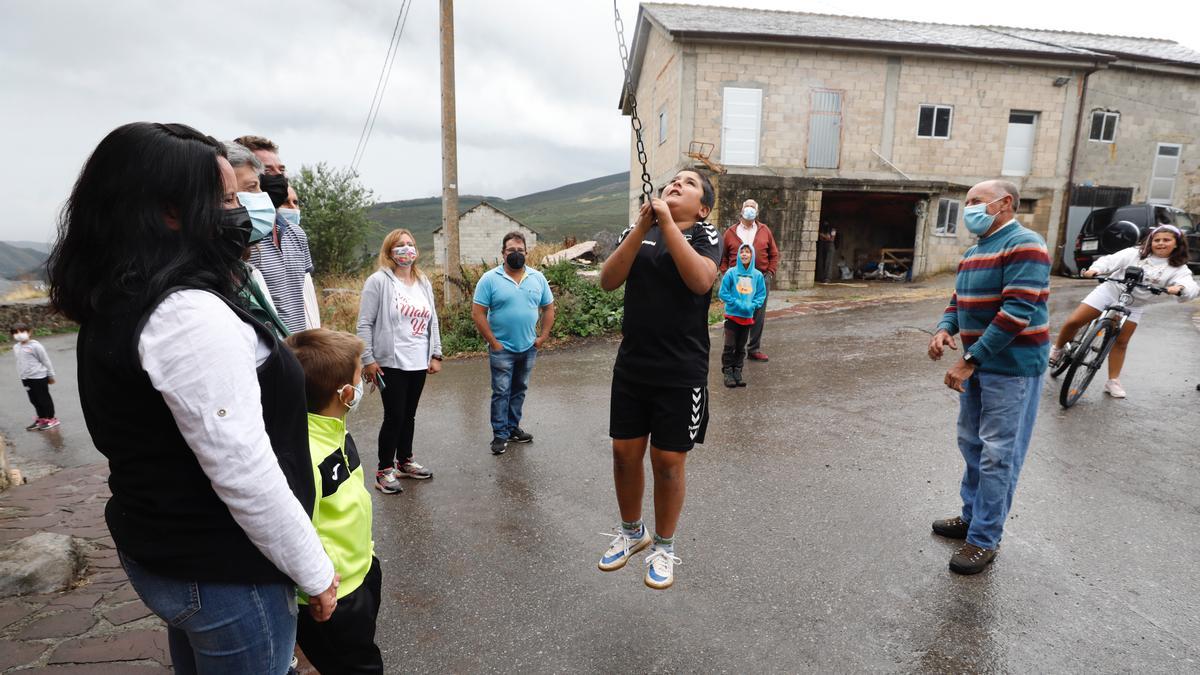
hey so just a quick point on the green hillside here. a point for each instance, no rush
(579, 210)
(16, 261)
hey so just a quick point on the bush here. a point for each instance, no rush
(335, 218)
(584, 309)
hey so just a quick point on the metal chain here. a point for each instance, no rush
(634, 120)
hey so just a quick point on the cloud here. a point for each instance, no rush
(537, 83)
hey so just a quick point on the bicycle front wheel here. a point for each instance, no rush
(1088, 358)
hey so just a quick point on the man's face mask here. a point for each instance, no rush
(262, 213)
(977, 219)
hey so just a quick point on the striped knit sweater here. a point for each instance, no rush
(999, 302)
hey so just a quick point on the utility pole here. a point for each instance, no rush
(451, 293)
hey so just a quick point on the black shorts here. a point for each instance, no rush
(675, 418)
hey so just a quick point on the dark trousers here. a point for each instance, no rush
(346, 642)
(400, 399)
(39, 396)
(826, 258)
(760, 319)
(736, 335)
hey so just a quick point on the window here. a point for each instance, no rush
(1027, 206)
(947, 217)
(741, 122)
(1104, 126)
(934, 121)
(662, 125)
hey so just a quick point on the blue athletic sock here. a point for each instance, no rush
(632, 530)
(664, 543)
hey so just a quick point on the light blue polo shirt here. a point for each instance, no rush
(513, 309)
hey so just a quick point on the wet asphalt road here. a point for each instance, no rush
(805, 538)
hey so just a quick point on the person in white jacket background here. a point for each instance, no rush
(1163, 255)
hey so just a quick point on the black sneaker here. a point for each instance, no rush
(737, 377)
(951, 528)
(519, 435)
(970, 559)
(729, 381)
(499, 445)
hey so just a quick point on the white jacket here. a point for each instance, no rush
(1158, 272)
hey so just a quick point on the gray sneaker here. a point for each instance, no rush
(413, 470)
(386, 481)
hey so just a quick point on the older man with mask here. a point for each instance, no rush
(283, 257)
(999, 306)
(748, 230)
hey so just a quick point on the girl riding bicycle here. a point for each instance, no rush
(1163, 256)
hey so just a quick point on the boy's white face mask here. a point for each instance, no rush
(21, 337)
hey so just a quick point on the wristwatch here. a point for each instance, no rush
(971, 359)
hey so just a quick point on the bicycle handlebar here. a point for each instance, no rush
(1156, 290)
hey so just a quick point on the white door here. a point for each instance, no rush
(825, 130)
(1162, 178)
(1018, 147)
(741, 122)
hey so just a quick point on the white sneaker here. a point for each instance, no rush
(660, 568)
(622, 548)
(1055, 355)
(1114, 389)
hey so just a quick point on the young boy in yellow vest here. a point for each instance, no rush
(342, 516)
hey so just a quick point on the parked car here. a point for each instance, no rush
(1091, 242)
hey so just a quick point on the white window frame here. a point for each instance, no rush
(1037, 118)
(1116, 121)
(947, 227)
(662, 125)
(1178, 166)
(933, 130)
(757, 159)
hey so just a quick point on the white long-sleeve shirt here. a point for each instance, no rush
(1158, 272)
(33, 363)
(203, 360)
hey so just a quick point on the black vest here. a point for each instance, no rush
(163, 512)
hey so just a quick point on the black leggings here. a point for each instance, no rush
(400, 399)
(39, 395)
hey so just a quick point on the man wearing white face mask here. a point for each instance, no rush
(247, 171)
(749, 230)
(282, 255)
(999, 306)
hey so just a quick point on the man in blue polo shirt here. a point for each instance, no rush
(508, 300)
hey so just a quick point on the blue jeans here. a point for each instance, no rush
(221, 628)
(996, 414)
(510, 379)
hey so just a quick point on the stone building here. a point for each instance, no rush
(878, 127)
(480, 231)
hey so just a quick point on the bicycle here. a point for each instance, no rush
(1089, 352)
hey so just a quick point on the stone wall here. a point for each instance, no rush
(39, 315)
(480, 232)
(1154, 108)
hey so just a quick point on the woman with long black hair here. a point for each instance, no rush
(198, 408)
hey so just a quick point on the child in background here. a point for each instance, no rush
(342, 516)
(744, 290)
(37, 374)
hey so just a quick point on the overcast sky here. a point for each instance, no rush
(538, 82)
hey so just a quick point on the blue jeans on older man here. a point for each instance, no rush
(995, 420)
(510, 379)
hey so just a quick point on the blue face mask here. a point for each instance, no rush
(749, 213)
(262, 213)
(977, 219)
(292, 216)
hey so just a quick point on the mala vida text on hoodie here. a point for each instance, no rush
(743, 289)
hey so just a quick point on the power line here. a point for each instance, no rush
(381, 84)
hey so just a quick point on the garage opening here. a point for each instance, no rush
(871, 234)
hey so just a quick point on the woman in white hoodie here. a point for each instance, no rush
(1163, 255)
